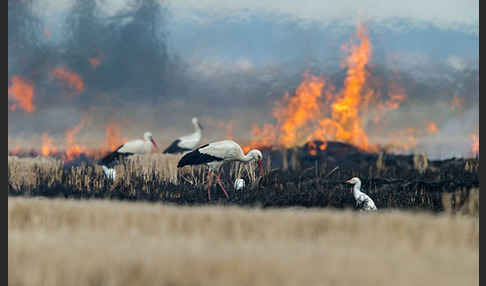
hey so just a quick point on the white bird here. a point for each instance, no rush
(109, 172)
(215, 154)
(137, 146)
(239, 184)
(187, 142)
(363, 201)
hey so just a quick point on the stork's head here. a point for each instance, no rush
(353, 181)
(258, 156)
(148, 137)
(196, 123)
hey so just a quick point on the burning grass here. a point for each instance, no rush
(50, 241)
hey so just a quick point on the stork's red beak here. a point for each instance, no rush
(260, 165)
(348, 181)
(155, 144)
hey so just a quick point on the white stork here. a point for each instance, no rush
(137, 146)
(215, 154)
(187, 142)
(363, 201)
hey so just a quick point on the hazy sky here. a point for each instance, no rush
(445, 13)
(275, 30)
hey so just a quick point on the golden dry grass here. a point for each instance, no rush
(26, 171)
(67, 242)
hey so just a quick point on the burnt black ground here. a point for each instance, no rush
(309, 181)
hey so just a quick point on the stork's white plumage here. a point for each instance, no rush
(187, 142)
(363, 201)
(110, 173)
(215, 154)
(137, 146)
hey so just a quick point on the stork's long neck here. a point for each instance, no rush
(246, 158)
(197, 129)
(357, 190)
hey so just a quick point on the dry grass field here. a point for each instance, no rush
(101, 242)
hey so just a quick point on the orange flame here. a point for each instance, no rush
(432, 128)
(72, 149)
(47, 146)
(261, 137)
(306, 116)
(294, 113)
(23, 93)
(344, 124)
(71, 79)
(312, 147)
(396, 95)
(475, 145)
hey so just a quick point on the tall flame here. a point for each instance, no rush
(72, 149)
(345, 124)
(22, 92)
(71, 79)
(315, 113)
(294, 113)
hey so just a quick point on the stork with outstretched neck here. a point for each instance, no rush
(187, 142)
(215, 154)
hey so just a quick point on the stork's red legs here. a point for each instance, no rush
(209, 185)
(221, 185)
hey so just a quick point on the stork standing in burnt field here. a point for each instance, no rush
(187, 142)
(363, 201)
(215, 154)
(138, 146)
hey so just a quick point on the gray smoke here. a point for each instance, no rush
(145, 85)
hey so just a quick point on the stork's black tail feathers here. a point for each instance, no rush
(174, 148)
(196, 158)
(113, 158)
